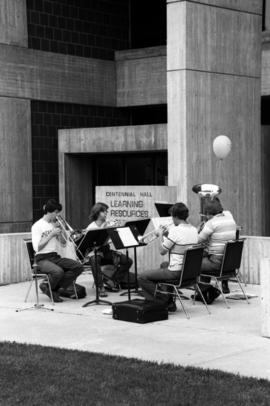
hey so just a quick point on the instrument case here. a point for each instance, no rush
(139, 311)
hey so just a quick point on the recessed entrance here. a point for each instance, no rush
(86, 171)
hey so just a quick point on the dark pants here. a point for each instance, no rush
(149, 279)
(109, 257)
(61, 271)
(211, 265)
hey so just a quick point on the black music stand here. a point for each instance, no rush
(120, 242)
(138, 228)
(94, 239)
(163, 209)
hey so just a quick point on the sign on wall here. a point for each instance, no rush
(134, 202)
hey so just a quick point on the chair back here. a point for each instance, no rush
(232, 257)
(31, 252)
(191, 267)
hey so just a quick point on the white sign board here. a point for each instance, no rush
(134, 202)
(128, 203)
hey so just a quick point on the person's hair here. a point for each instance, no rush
(96, 209)
(51, 206)
(180, 211)
(213, 207)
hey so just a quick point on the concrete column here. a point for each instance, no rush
(13, 22)
(267, 15)
(213, 76)
(15, 133)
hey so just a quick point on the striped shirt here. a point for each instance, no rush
(217, 231)
(179, 239)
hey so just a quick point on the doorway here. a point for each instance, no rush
(86, 171)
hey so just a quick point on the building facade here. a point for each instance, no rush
(108, 92)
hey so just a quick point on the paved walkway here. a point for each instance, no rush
(228, 339)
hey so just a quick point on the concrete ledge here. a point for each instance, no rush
(265, 296)
(14, 262)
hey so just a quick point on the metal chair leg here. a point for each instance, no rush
(75, 290)
(199, 289)
(50, 289)
(28, 291)
(221, 291)
(183, 307)
(244, 293)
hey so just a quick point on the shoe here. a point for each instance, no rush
(197, 297)
(102, 292)
(110, 286)
(45, 289)
(56, 297)
(225, 287)
(209, 295)
(172, 307)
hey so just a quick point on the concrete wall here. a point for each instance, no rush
(74, 175)
(13, 26)
(16, 165)
(213, 66)
(15, 133)
(141, 77)
(14, 260)
(265, 88)
(48, 76)
(15, 267)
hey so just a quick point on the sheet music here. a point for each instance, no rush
(127, 237)
(161, 221)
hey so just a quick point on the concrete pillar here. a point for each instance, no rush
(267, 15)
(15, 133)
(213, 88)
(265, 296)
(13, 22)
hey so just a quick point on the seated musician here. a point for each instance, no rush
(181, 233)
(98, 219)
(46, 235)
(219, 228)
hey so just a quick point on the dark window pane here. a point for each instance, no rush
(110, 171)
(140, 170)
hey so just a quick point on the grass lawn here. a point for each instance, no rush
(33, 375)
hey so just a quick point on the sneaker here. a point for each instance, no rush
(197, 297)
(172, 307)
(56, 297)
(102, 292)
(209, 295)
(111, 286)
(225, 287)
(45, 289)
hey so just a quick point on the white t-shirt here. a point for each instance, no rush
(177, 242)
(94, 226)
(39, 229)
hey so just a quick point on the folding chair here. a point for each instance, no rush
(36, 275)
(188, 278)
(230, 267)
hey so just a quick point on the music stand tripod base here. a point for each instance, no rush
(97, 302)
(36, 306)
(94, 239)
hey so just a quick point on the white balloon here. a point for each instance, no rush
(222, 146)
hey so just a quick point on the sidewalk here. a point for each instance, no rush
(228, 339)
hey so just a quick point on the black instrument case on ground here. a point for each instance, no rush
(139, 311)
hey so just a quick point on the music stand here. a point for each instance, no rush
(123, 238)
(163, 209)
(138, 228)
(94, 239)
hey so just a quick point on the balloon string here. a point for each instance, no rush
(219, 172)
